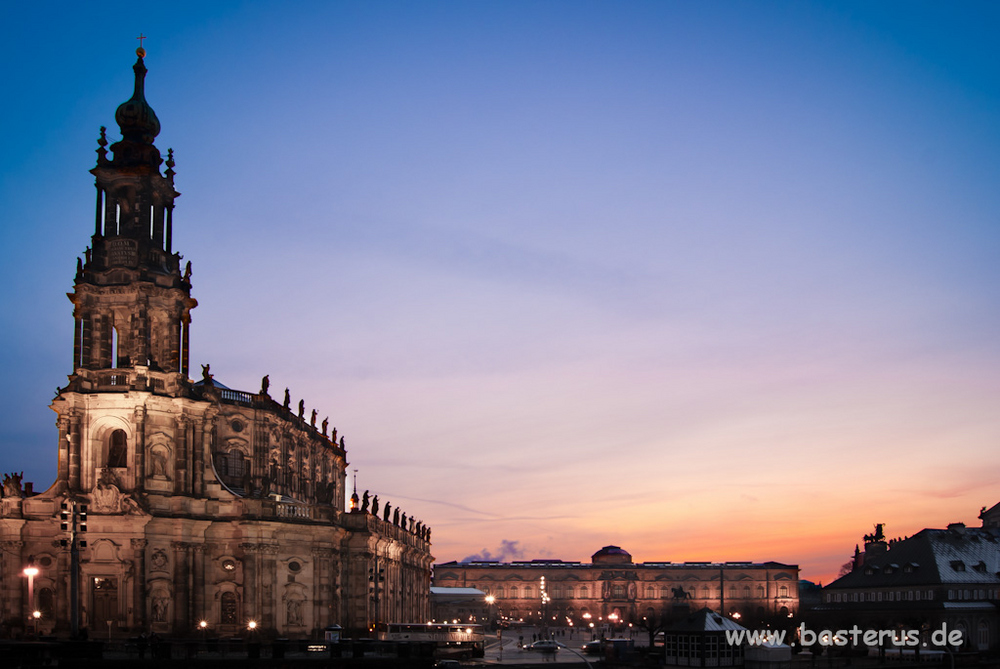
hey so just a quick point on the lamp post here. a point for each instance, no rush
(545, 607)
(31, 571)
(253, 646)
(490, 600)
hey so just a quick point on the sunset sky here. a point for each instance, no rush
(705, 280)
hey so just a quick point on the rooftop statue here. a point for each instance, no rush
(12, 484)
(877, 535)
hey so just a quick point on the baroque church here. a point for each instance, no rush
(182, 504)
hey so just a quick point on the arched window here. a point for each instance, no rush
(760, 592)
(783, 591)
(746, 592)
(227, 613)
(233, 465)
(618, 591)
(118, 449)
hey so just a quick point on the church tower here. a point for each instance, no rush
(132, 304)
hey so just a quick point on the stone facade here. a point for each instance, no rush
(614, 588)
(203, 503)
(937, 577)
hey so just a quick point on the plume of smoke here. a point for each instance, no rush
(508, 550)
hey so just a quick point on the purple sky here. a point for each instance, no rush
(704, 280)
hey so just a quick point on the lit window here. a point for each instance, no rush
(227, 609)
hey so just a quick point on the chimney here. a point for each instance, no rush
(958, 528)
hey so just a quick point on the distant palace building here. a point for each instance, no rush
(612, 588)
(200, 503)
(933, 578)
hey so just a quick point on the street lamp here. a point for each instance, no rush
(490, 600)
(31, 571)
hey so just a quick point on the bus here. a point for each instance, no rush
(465, 640)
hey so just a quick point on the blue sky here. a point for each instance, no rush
(704, 280)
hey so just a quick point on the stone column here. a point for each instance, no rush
(170, 228)
(62, 467)
(182, 447)
(110, 216)
(139, 584)
(74, 450)
(320, 559)
(202, 452)
(251, 608)
(185, 343)
(334, 613)
(173, 362)
(182, 623)
(140, 341)
(269, 585)
(87, 345)
(77, 341)
(323, 613)
(104, 335)
(139, 417)
(198, 583)
(11, 564)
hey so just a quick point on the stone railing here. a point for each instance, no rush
(237, 396)
(292, 510)
(124, 379)
(374, 524)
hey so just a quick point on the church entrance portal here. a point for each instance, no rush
(105, 604)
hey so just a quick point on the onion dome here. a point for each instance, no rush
(135, 117)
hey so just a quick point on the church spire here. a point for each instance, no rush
(135, 117)
(132, 301)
